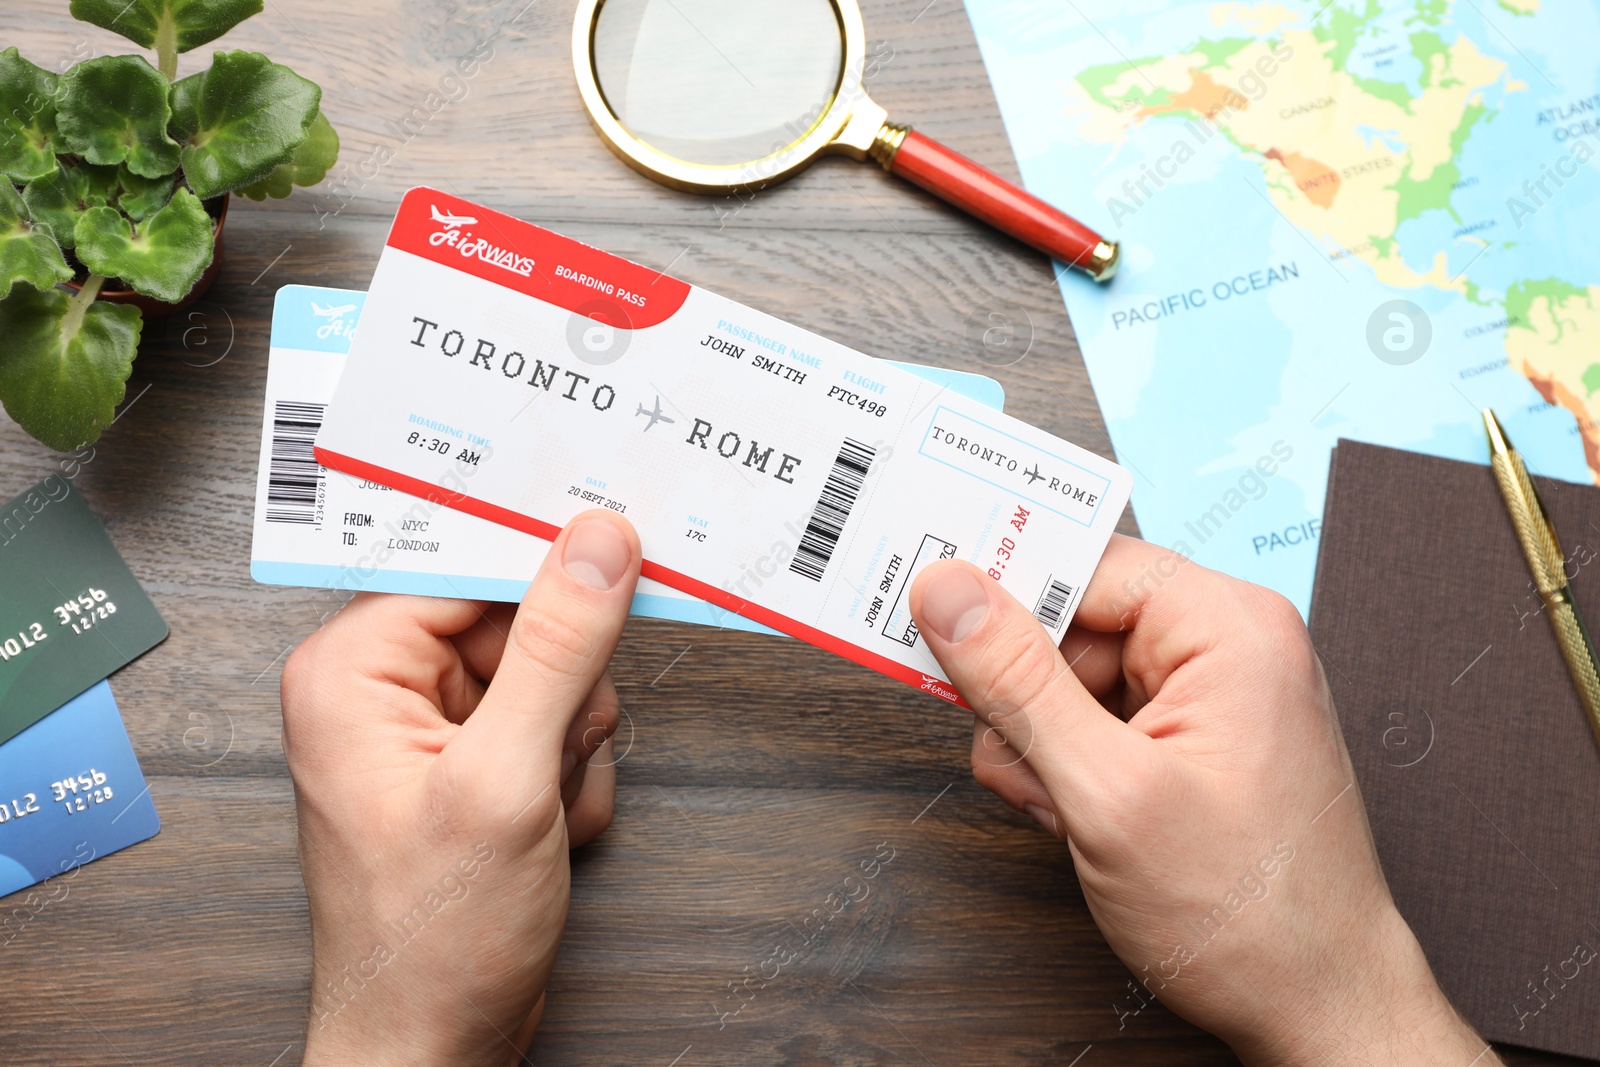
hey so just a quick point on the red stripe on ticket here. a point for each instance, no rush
(709, 593)
(521, 256)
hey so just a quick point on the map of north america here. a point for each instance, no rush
(1356, 219)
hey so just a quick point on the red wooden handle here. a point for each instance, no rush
(977, 191)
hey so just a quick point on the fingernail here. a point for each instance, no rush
(954, 603)
(597, 554)
(1045, 817)
(569, 760)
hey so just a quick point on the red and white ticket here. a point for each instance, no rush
(523, 377)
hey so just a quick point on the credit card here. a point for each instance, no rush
(520, 376)
(72, 612)
(70, 792)
(325, 529)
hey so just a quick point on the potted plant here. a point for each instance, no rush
(116, 177)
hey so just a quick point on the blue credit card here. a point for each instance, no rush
(70, 791)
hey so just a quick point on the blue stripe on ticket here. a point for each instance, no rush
(681, 608)
(315, 319)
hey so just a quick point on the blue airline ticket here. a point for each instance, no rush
(321, 528)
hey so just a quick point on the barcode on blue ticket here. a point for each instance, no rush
(294, 475)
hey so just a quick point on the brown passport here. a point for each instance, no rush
(1471, 750)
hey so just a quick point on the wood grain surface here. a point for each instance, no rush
(758, 771)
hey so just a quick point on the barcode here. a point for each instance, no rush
(1052, 603)
(294, 474)
(833, 508)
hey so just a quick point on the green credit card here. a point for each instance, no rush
(70, 610)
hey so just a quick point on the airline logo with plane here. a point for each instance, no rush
(449, 221)
(452, 233)
(336, 325)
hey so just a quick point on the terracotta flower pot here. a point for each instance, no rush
(152, 308)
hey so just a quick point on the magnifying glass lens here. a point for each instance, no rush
(718, 82)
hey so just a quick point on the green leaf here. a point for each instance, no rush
(27, 252)
(113, 109)
(151, 23)
(28, 126)
(307, 166)
(65, 365)
(139, 198)
(162, 256)
(240, 119)
(59, 198)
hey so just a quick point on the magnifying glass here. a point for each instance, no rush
(717, 96)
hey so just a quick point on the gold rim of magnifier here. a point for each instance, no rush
(829, 130)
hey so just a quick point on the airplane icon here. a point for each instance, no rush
(331, 313)
(655, 416)
(452, 222)
(1032, 475)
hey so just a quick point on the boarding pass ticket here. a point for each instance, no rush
(522, 377)
(321, 528)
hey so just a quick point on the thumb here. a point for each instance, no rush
(556, 650)
(1013, 675)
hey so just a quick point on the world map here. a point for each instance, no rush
(1353, 219)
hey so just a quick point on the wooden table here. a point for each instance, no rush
(758, 770)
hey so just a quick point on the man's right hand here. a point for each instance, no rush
(1191, 758)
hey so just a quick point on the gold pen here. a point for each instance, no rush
(1539, 544)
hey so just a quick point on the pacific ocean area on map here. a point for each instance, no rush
(1441, 112)
(1181, 377)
